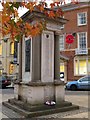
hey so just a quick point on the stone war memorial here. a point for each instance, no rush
(39, 71)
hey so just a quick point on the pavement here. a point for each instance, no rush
(78, 99)
(1, 114)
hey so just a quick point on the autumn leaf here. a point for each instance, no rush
(59, 12)
(52, 5)
(51, 14)
(23, 4)
(28, 26)
(41, 8)
(16, 13)
(12, 24)
(30, 6)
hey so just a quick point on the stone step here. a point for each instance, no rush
(15, 108)
(32, 108)
(29, 114)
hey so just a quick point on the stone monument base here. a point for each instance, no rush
(36, 93)
(28, 111)
(30, 98)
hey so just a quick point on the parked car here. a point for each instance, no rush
(82, 83)
(4, 81)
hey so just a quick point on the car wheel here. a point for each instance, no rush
(73, 87)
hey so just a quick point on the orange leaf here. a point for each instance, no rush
(16, 13)
(41, 8)
(28, 26)
(52, 5)
(51, 14)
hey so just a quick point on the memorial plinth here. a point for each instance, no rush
(39, 63)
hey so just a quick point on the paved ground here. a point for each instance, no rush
(80, 98)
(6, 94)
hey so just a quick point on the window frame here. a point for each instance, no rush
(84, 79)
(78, 18)
(79, 40)
(78, 59)
(11, 71)
(63, 42)
(28, 70)
(11, 48)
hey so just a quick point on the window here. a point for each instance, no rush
(11, 68)
(76, 67)
(61, 67)
(12, 48)
(81, 66)
(84, 79)
(82, 40)
(88, 66)
(27, 55)
(15, 51)
(0, 49)
(82, 18)
(61, 42)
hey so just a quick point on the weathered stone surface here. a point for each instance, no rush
(42, 82)
(47, 53)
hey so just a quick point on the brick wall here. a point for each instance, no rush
(72, 27)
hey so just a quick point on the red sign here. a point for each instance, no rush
(69, 39)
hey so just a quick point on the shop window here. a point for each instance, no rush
(88, 66)
(81, 67)
(76, 67)
(61, 67)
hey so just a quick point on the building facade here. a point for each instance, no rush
(78, 52)
(7, 53)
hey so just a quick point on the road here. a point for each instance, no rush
(10, 90)
(80, 98)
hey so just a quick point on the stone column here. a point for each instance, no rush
(36, 58)
(17, 90)
(20, 60)
(47, 57)
(59, 85)
(47, 64)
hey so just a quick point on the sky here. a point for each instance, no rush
(24, 10)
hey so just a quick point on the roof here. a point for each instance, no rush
(39, 15)
(71, 6)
